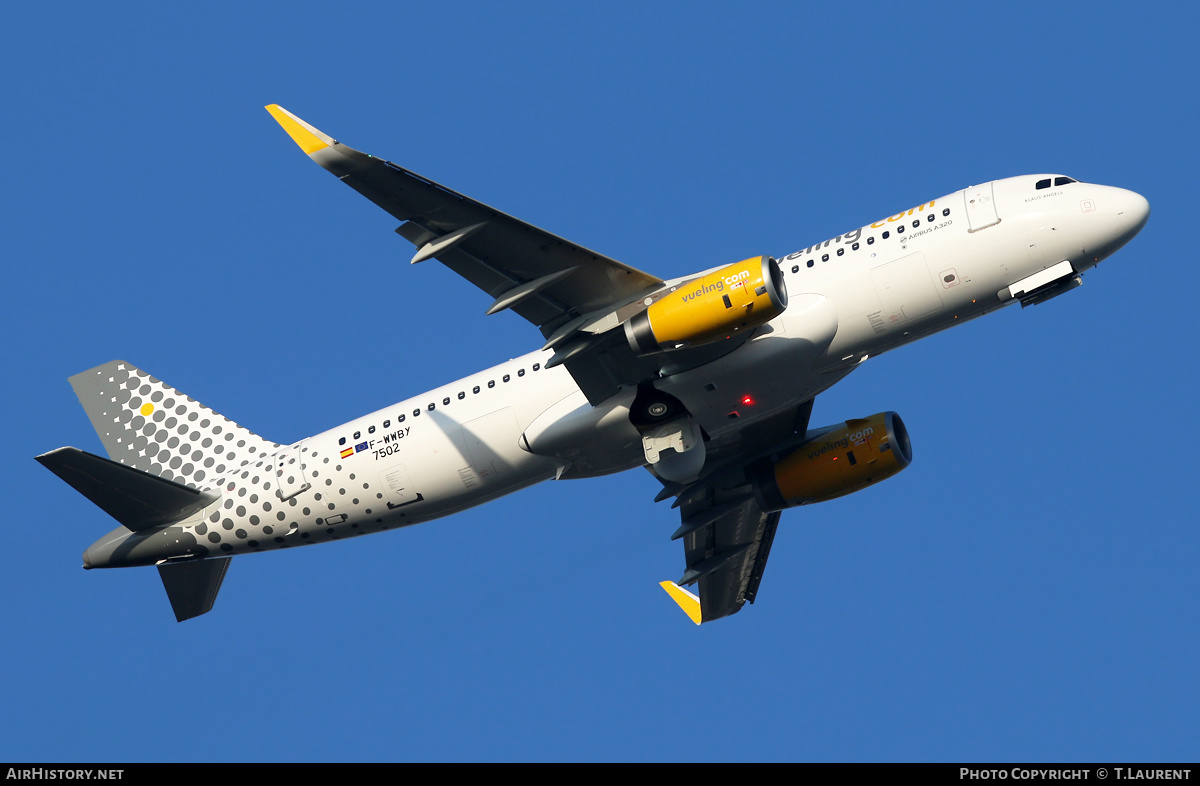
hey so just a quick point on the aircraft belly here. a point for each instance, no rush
(772, 372)
(459, 467)
(587, 441)
(491, 443)
(1050, 245)
(358, 495)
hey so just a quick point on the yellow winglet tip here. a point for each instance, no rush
(686, 600)
(308, 138)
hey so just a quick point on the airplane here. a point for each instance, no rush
(707, 380)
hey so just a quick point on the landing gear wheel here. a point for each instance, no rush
(658, 409)
(651, 407)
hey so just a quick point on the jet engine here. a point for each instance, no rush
(839, 461)
(706, 309)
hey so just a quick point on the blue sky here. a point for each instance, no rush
(1027, 590)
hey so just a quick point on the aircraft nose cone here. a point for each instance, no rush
(1116, 216)
(1133, 211)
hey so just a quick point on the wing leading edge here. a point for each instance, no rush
(576, 297)
(547, 280)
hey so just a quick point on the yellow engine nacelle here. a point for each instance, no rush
(710, 308)
(846, 459)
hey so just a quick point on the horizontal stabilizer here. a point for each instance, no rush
(192, 586)
(138, 500)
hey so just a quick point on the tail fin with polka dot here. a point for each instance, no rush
(148, 425)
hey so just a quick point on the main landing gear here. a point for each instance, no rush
(671, 439)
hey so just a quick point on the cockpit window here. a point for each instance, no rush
(1058, 181)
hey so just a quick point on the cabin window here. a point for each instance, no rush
(445, 401)
(854, 247)
(387, 424)
(811, 262)
(491, 383)
(841, 251)
(371, 430)
(796, 268)
(871, 240)
(417, 412)
(824, 257)
(342, 441)
(461, 395)
(506, 377)
(886, 234)
(475, 389)
(400, 418)
(946, 212)
(520, 372)
(536, 366)
(431, 406)
(357, 434)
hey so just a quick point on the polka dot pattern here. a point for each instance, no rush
(254, 514)
(150, 426)
(271, 496)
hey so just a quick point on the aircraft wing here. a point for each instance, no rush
(726, 535)
(726, 558)
(547, 280)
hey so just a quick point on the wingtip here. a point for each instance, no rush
(308, 138)
(686, 600)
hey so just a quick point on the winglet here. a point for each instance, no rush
(686, 600)
(310, 139)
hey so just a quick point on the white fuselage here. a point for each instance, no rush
(851, 297)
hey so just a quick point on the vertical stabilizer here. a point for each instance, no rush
(148, 425)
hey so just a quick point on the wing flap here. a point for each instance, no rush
(741, 542)
(726, 556)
